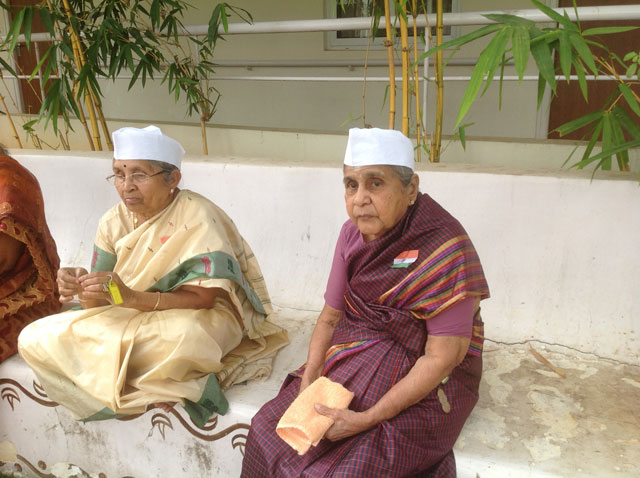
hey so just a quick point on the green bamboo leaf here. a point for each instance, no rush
(628, 123)
(464, 39)
(223, 19)
(39, 65)
(595, 136)
(504, 62)
(607, 136)
(14, 31)
(497, 48)
(154, 13)
(47, 21)
(520, 47)
(553, 15)
(578, 123)
(214, 21)
(611, 151)
(511, 20)
(617, 137)
(7, 67)
(547, 36)
(543, 57)
(27, 21)
(484, 63)
(129, 56)
(583, 51)
(630, 55)
(542, 86)
(606, 30)
(463, 137)
(66, 49)
(51, 64)
(582, 79)
(632, 70)
(565, 53)
(629, 98)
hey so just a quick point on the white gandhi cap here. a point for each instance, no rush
(146, 143)
(375, 146)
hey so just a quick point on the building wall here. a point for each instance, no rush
(317, 105)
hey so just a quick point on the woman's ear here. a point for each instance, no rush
(176, 176)
(414, 188)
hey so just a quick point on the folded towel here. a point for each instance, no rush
(301, 426)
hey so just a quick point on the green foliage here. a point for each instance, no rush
(580, 54)
(140, 37)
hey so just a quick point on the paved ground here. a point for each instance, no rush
(532, 422)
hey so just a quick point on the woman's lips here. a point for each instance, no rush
(132, 200)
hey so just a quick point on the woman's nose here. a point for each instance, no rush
(361, 197)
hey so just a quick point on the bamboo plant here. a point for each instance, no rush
(98, 40)
(579, 51)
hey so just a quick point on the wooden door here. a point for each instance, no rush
(27, 59)
(569, 103)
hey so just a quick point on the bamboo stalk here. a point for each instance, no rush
(13, 126)
(364, 70)
(81, 117)
(103, 121)
(203, 131)
(404, 40)
(440, 87)
(392, 74)
(78, 55)
(414, 13)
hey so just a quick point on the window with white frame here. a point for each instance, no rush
(358, 39)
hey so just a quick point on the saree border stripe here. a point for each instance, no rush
(102, 260)
(459, 273)
(212, 265)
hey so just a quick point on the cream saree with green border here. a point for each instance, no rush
(111, 361)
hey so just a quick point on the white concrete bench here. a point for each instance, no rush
(561, 256)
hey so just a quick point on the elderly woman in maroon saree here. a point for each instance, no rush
(406, 338)
(28, 257)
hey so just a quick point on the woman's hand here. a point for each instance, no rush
(346, 423)
(68, 284)
(94, 284)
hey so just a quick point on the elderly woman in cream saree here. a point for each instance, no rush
(175, 308)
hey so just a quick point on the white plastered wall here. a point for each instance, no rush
(560, 251)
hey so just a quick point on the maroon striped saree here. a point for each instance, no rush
(380, 337)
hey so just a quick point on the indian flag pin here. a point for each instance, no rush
(405, 259)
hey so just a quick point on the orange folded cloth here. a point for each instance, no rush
(301, 426)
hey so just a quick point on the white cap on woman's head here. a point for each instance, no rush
(148, 143)
(375, 146)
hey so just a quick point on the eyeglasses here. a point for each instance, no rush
(135, 178)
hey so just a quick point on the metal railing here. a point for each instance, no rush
(614, 12)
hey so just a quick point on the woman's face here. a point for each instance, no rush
(376, 199)
(143, 197)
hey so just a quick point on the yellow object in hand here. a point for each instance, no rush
(114, 292)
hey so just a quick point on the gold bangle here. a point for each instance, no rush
(155, 307)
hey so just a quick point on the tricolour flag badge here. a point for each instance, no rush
(405, 259)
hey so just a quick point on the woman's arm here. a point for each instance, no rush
(184, 297)
(442, 355)
(319, 344)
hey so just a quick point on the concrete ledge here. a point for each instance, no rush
(561, 257)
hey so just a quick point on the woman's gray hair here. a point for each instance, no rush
(165, 168)
(403, 173)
